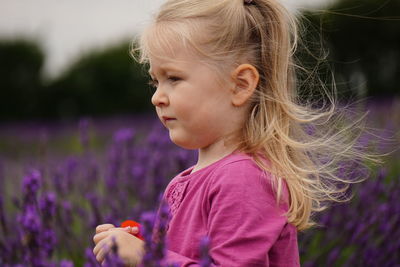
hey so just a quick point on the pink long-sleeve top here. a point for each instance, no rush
(232, 202)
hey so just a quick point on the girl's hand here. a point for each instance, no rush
(130, 248)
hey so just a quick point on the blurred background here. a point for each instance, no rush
(76, 120)
(69, 59)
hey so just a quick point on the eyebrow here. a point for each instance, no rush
(164, 69)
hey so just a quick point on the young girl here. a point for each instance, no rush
(226, 85)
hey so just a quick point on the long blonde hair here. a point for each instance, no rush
(306, 144)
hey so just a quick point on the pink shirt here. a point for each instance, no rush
(232, 202)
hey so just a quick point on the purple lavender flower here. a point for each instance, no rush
(30, 229)
(48, 241)
(122, 141)
(333, 255)
(95, 206)
(112, 258)
(58, 182)
(66, 263)
(205, 259)
(66, 212)
(47, 205)
(147, 221)
(30, 220)
(30, 186)
(70, 169)
(160, 229)
(134, 170)
(2, 177)
(3, 222)
(90, 258)
(123, 136)
(84, 133)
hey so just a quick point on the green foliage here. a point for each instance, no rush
(363, 39)
(21, 62)
(359, 38)
(101, 83)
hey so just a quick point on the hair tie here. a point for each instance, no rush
(248, 2)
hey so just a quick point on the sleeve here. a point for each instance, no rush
(244, 221)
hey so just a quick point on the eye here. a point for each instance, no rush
(173, 78)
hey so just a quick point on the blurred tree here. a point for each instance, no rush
(101, 83)
(21, 62)
(363, 38)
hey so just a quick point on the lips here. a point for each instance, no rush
(167, 119)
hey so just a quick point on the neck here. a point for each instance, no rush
(213, 153)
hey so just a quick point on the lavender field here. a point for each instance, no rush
(59, 180)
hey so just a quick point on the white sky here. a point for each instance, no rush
(68, 28)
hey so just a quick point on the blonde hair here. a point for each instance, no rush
(305, 145)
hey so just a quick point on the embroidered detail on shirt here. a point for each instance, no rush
(175, 195)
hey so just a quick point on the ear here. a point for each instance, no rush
(245, 79)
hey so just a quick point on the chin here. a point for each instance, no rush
(186, 143)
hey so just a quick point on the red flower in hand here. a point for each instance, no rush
(131, 223)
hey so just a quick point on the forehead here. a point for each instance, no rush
(176, 46)
(179, 62)
(169, 43)
(176, 57)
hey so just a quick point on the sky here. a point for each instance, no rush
(67, 29)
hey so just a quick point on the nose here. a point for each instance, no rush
(159, 98)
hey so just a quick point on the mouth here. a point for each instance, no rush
(166, 119)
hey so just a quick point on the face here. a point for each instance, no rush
(191, 101)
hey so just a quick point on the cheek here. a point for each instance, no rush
(158, 112)
(183, 107)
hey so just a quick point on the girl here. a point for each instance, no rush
(226, 85)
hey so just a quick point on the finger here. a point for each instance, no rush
(132, 230)
(104, 227)
(100, 256)
(128, 229)
(96, 249)
(116, 229)
(98, 237)
(101, 249)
